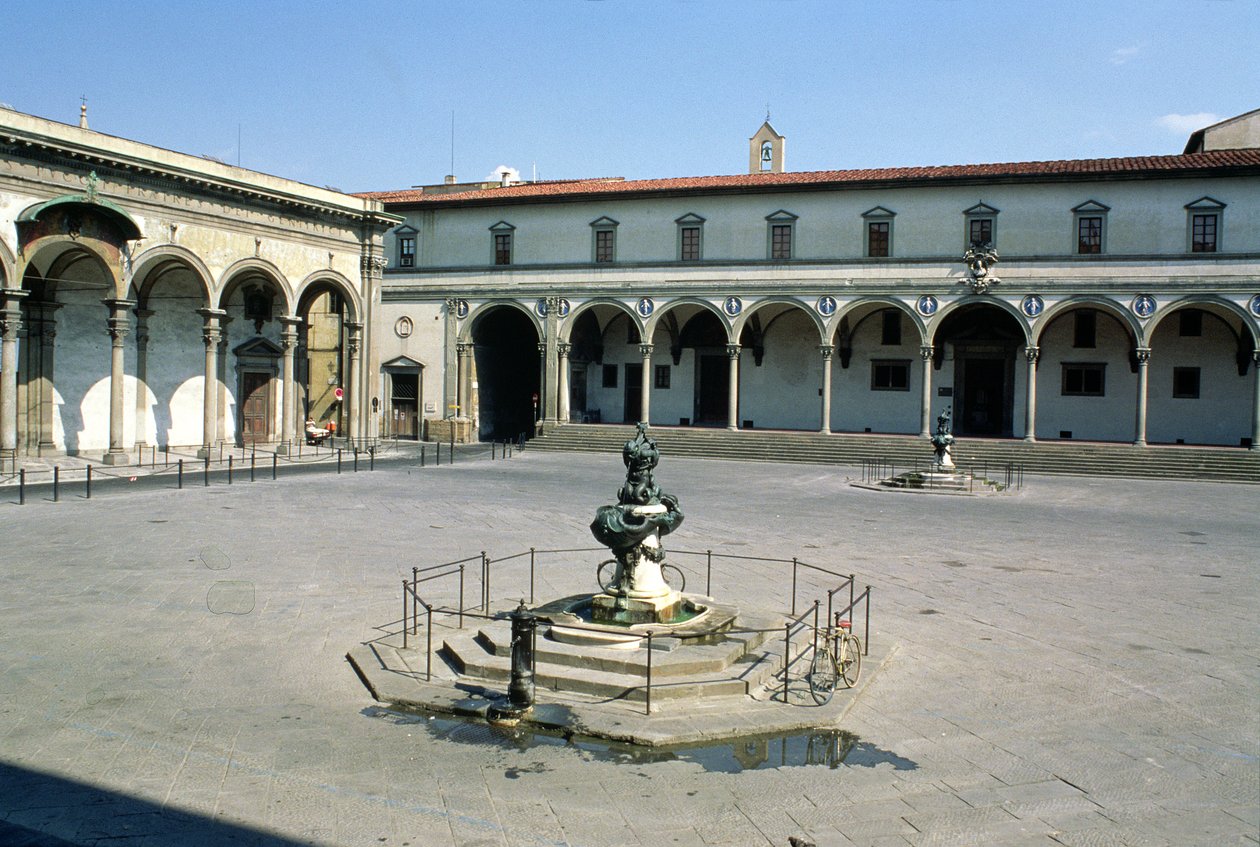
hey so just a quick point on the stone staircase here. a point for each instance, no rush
(987, 457)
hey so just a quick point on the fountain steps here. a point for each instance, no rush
(737, 666)
(1224, 464)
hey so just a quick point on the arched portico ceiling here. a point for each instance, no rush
(950, 315)
(71, 266)
(856, 311)
(608, 304)
(1234, 316)
(469, 324)
(151, 265)
(1102, 304)
(253, 271)
(324, 280)
(90, 203)
(8, 267)
(683, 309)
(764, 313)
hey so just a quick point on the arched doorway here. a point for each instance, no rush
(322, 362)
(982, 342)
(705, 334)
(505, 359)
(253, 301)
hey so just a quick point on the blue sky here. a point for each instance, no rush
(359, 95)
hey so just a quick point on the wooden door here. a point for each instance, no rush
(255, 406)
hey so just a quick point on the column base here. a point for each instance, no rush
(1030, 439)
(732, 428)
(825, 431)
(283, 448)
(116, 458)
(1141, 443)
(205, 452)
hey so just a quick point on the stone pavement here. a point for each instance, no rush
(1074, 665)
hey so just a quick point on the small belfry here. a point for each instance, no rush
(766, 150)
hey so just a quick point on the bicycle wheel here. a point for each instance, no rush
(606, 575)
(674, 578)
(822, 676)
(851, 659)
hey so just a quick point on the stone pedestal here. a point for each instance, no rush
(641, 596)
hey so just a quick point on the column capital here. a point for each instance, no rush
(926, 351)
(827, 351)
(290, 322)
(463, 348)
(209, 316)
(1255, 357)
(732, 351)
(564, 348)
(355, 327)
(1032, 354)
(1143, 355)
(645, 350)
(117, 324)
(542, 348)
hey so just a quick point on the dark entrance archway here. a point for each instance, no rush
(505, 355)
(705, 334)
(984, 341)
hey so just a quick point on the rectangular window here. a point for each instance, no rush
(1203, 234)
(1085, 328)
(610, 376)
(1186, 383)
(1191, 323)
(689, 244)
(662, 376)
(406, 251)
(503, 248)
(980, 231)
(1084, 379)
(1089, 235)
(891, 330)
(877, 238)
(890, 375)
(780, 241)
(604, 244)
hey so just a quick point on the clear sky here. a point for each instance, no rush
(358, 94)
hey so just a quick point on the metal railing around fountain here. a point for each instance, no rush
(1010, 475)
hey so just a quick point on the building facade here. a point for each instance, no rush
(1108, 300)
(157, 299)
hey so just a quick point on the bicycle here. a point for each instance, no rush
(606, 575)
(838, 658)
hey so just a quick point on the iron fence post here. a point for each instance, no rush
(414, 616)
(793, 585)
(647, 708)
(531, 574)
(404, 616)
(428, 653)
(485, 583)
(708, 573)
(866, 640)
(787, 658)
(461, 596)
(852, 583)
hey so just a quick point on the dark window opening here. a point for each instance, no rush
(1085, 328)
(662, 376)
(877, 233)
(890, 375)
(610, 376)
(503, 248)
(689, 247)
(406, 252)
(1084, 380)
(1089, 235)
(1186, 383)
(781, 241)
(1203, 234)
(604, 245)
(980, 231)
(891, 331)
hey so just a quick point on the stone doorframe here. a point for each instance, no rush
(257, 355)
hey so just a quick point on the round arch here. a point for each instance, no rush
(566, 330)
(1212, 304)
(1102, 304)
(115, 214)
(737, 326)
(874, 304)
(333, 279)
(475, 315)
(152, 263)
(8, 266)
(648, 329)
(941, 317)
(241, 271)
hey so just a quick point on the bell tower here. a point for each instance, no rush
(766, 150)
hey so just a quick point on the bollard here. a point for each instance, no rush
(273, 465)
(229, 468)
(371, 458)
(87, 487)
(521, 688)
(22, 487)
(205, 473)
(56, 483)
(179, 474)
(356, 460)
(252, 458)
(338, 460)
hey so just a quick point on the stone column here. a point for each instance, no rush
(47, 375)
(1143, 360)
(551, 367)
(450, 359)
(1031, 354)
(463, 381)
(732, 401)
(540, 411)
(211, 334)
(645, 384)
(118, 327)
(925, 404)
(562, 349)
(353, 343)
(220, 421)
(827, 351)
(10, 324)
(1255, 409)
(142, 377)
(288, 384)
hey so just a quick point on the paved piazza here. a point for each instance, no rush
(1073, 665)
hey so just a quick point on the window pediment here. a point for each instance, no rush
(502, 226)
(1206, 204)
(689, 218)
(980, 210)
(1091, 207)
(402, 362)
(879, 212)
(604, 222)
(781, 216)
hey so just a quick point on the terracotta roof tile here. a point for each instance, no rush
(1136, 165)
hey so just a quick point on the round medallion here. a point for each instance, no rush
(1033, 305)
(461, 308)
(1254, 305)
(732, 306)
(541, 307)
(645, 306)
(927, 305)
(562, 308)
(403, 327)
(826, 305)
(1144, 305)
